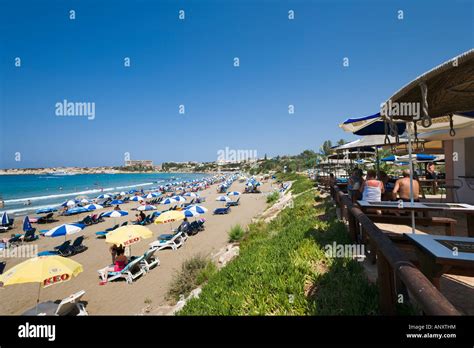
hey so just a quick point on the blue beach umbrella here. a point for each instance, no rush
(105, 195)
(195, 210)
(146, 207)
(152, 195)
(223, 199)
(132, 191)
(179, 198)
(136, 199)
(27, 224)
(191, 194)
(369, 125)
(64, 230)
(76, 210)
(116, 201)
(46, 210)
(4, 219)
(233, 193)
(93, 206)
(169, 201)
(115, 213)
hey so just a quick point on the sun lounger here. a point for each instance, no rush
(61, 250)
(150, 260)
(233, 203)
(102, 234)
(48, 218)
(77, 246)
(174, 241)
(69, 306)
(221, 211)
(87, 220)
(131, 271)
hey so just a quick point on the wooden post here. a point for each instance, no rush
(386, 286)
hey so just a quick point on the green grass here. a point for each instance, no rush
(194, 272)
(283, 270)
(301, 183)
(236, 233)
(273, 197)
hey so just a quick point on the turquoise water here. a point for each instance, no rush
(50, 190)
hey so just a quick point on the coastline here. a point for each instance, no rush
(119, 298)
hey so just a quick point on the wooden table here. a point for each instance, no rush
(462, 208)
(443, 254)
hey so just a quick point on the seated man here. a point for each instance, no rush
(184, 225)
(402, 188)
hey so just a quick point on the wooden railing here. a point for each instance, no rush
(398, 278)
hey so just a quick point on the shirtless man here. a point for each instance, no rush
(402, 187)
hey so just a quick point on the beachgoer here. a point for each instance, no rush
(402, 188)
(142, 215)
(430, 171)
(118, 265)
(372, 188)
(354, 183)
(117, 207)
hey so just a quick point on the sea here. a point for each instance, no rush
(23, 194)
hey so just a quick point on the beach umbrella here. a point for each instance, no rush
(146, 207)
(65, 230)
(116, 201)
(179, 198)
(115, 213)
(27, 224)
(233, 193)
(137, 198)
(194, 210)
(170, 216)
(132, 191)
(46, 210)
(44, 270)
(168, 201)
(105, 195)
(128, 235)
(69, 203)
(191, 194)
(152, 195)
(84, 201)
(93, 206)
(123, 193)
(223, 199)
(77, 210)
(4, 219)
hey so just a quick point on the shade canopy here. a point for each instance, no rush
(449, 86)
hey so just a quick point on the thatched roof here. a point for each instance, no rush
(450, 87)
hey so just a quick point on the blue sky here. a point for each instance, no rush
(190, 62)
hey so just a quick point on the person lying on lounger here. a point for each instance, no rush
(119, 264)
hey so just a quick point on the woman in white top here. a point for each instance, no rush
(372, 188)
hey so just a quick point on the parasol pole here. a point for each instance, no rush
(410, 165)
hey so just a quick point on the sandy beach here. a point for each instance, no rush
(120, 298)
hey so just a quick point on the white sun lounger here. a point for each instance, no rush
(65, 307)
(174, 242)
(149, 260)
(131, 271)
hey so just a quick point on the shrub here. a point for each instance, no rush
(273, 197)
(236, 233)
(194, 272)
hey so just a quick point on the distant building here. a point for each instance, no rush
(136, 163)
